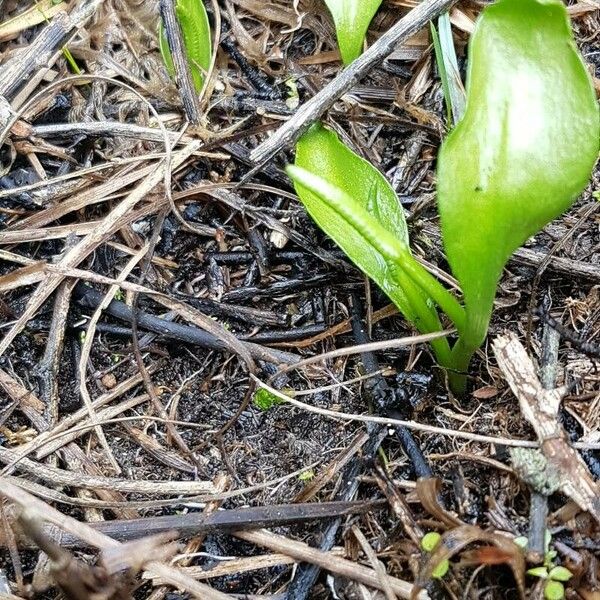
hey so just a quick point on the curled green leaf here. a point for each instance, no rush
(523, 151)
(357, 207)
(560, 574)
(352, 18)
(195, 28)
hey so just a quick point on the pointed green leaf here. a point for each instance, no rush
(195, 28)
(560, 574)
(352, 18)
(524, 149)
(540, 572)
(320, 152)
(554, 590)
(445, 55)
(357, 207)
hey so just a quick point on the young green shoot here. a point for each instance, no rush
(352, 19)
(520, 156)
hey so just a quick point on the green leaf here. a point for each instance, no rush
(357, 207)
(560, 574)
(441, 569)
(554, 590)
(195, 28)
(265, 400)
(320, 152)
(430, 541)
(352, 18)
(540, 572)
(445, 56)
(523, 151)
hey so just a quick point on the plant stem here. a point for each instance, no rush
(433, 288)
(428, 320)
(462, 353)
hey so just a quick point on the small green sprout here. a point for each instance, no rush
(554, 588)
(352, 18)
(554, 576)
(429, 543)
(265, 400)
(307, 475)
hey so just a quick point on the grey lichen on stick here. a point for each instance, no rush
(540, 407)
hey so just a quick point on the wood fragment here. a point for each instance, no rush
(237, 519)
(540, 408)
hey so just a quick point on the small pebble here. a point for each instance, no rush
(109, 381)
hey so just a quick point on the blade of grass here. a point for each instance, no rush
(445, 55)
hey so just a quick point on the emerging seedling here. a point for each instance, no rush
(352, 18)
(519, 158)
(429, 543)
(554, 576)
(195, 28)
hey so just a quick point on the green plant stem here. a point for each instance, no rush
(469, 341)
(428, 320)
(434, 289)
(460, 360)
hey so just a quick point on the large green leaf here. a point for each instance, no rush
(195, 28)
(357, 207)
(352, 18)
(320, 152)
(524, 149)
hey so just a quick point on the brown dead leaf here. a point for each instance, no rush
(428, 491)
(457, 539)
(486, 392)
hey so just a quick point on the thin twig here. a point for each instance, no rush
(475, 437)
(185, 85)
(327, 561)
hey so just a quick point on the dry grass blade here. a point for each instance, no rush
(109, 225)
(171, 575)
(87, 347)
(486, 439)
